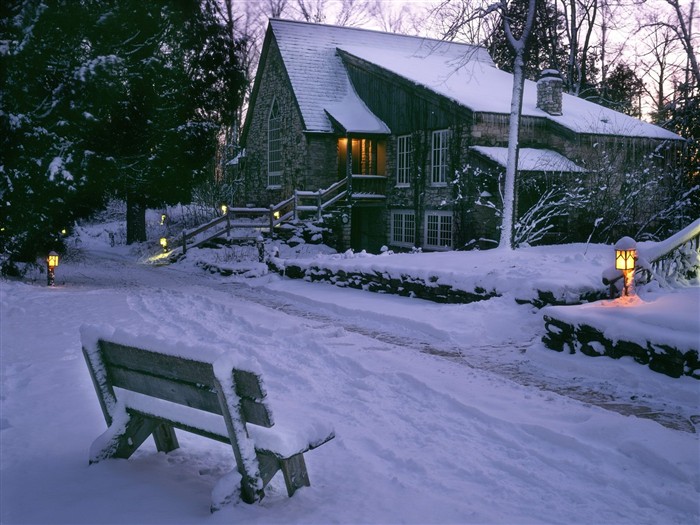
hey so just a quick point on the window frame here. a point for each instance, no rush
(403, 160)
(408, 235)
(274, 137)
(440, 234)
(439, 157)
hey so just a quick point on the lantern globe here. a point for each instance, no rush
(625, 253)
(52, 259)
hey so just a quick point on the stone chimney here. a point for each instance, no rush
(549, 89)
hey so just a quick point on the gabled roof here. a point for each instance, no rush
(531, 159)
(320, 80)
(463, 73)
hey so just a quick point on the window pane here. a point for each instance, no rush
(439, 157)
(432, 236)
(403, 148)
(274, 147)
(403, 228)
(438, 231)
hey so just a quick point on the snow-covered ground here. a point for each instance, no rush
(443, 413)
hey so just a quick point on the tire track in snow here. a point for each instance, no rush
(485, 357)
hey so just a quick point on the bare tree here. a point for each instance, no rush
(683, 27)
(580, 16)
(519, 46)
(659, 64)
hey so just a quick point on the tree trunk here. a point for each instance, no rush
(510, 191)
(135, 220)
(510, 201)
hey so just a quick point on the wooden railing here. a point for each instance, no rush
(368, 187)
(256, 221)
(668, 260)
(317, 201)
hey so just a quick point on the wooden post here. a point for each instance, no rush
(228, 223)
(272, 219)
(296, 203)
(184, 242)
(319, 203)
(348, 169)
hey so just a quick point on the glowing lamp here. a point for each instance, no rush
(625, 258)
(52, 260)
(276, 215)
(224, 209)
(625, 254)
(163, 218)
(51, 263)
(164, 244)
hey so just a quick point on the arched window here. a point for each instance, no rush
(274, 147)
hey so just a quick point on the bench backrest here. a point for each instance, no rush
(181, 380)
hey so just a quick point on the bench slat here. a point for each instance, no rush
(248, 384)
(176, 391)
(157, 364)
(256, 413)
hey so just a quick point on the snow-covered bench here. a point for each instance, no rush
(145, 392)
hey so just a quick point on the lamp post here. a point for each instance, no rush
(625, 258)
(224, 209)
(164, 244)
(51, 263)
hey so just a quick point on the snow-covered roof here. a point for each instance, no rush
(480, 86)
(530, 159)
(463, 73)
(320, 80)
(354, 116)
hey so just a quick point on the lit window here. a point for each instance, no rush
(403, 228)
(274, 147)
(403, 160)
(439, 157)
(438, 230)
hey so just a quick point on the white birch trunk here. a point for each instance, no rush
(509, 195)
(516, 106)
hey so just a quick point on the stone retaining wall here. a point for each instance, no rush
(590, 341)
(406, 285)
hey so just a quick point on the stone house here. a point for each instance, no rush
(398, 124)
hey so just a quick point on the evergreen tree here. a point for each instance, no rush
(44, 168)
(622, 91)
(544, 51)
(104, 98)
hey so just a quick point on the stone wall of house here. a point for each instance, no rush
(321, 162)
(273, 85)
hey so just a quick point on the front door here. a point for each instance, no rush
(368, 229)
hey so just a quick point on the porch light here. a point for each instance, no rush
(51, 263)
(164, 244)
(276, 215)
(625, 258)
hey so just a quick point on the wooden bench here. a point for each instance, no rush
(231, 408)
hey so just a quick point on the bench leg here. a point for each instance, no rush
(295, 474)
(121, 441)
(165, 438)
